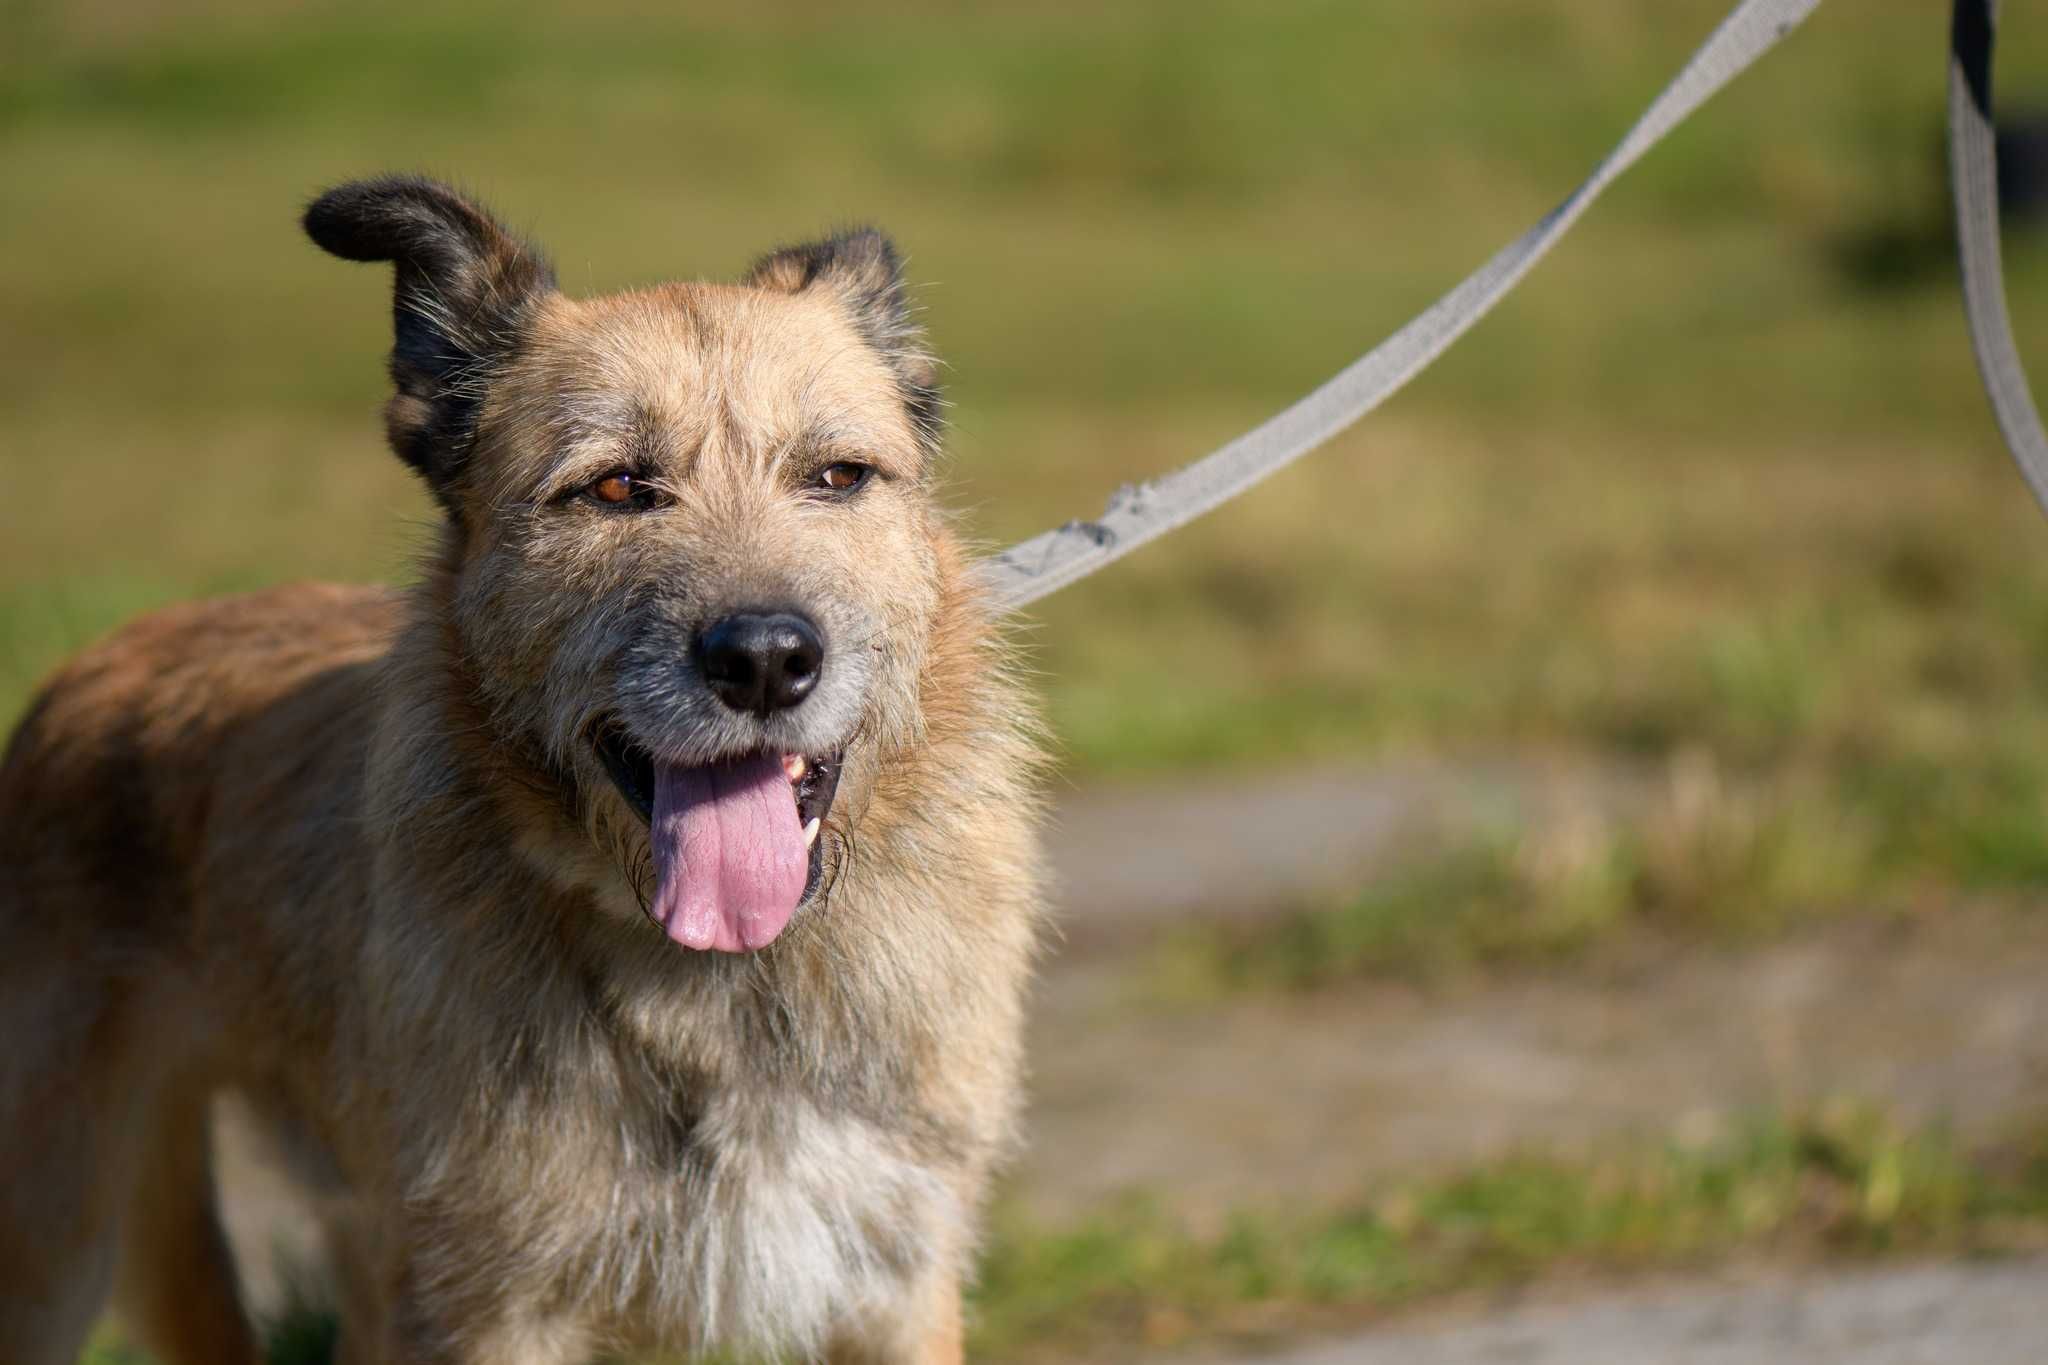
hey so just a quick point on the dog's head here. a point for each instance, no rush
(691, 546)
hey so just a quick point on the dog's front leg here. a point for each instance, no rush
(942, 1341)
(421, 1329)
(516, 1341)
(929, 1336)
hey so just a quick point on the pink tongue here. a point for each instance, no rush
(729, 853)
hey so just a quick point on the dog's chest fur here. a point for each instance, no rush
(675, 1164)
(766, 1222)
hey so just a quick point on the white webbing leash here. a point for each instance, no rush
(1973, 179)
(1141, 512)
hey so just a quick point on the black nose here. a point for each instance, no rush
(761, 661)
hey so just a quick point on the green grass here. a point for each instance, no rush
(1687, 853)
(1841, 1182)
(1718, 475)
(1686, 856)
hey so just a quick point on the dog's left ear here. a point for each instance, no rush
(462, 291)
(862, 273)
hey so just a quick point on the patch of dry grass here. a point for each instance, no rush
(1689, 855)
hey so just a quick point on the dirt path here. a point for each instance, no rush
(1130, 858)
(1927, 1315)
(1294, 1100)
(1302, 1098)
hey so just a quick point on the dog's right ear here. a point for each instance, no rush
(463, 288)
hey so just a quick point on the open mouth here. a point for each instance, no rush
(738, 844)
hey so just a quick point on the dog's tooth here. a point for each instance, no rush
(794, 765)
(811, 831)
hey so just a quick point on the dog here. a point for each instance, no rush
(627, 925)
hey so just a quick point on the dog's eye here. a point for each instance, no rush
(620, 489)
(844, 477)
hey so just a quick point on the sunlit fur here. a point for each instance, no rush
(350, 853)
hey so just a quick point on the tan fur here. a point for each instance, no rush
(348, 852)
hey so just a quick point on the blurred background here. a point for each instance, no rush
(1589, 822)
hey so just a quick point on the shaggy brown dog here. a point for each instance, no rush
(631, 918)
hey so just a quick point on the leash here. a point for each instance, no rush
(1973, 182)
(1141, 512)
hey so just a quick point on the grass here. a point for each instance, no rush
(1688, 856)
(1842, 1183)
(1719, 475)
(304, 1336)
(1689, 852)
(1839, 1182)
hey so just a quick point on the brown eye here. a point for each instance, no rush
(844, 477)
(615, 488)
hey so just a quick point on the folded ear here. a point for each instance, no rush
(462, 290)
(861, 272)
